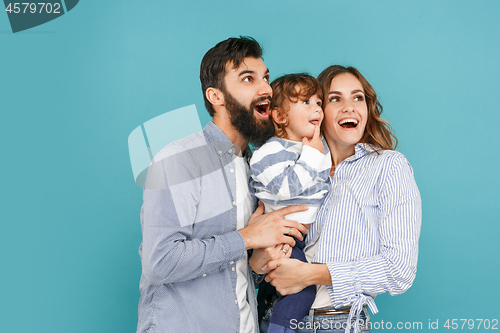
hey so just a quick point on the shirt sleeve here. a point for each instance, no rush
(394, 269)
(170, 250)
(281, 175)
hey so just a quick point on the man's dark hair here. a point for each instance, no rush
(213, 65)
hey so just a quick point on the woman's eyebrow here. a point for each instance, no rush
(352, 92)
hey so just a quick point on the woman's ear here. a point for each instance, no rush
(277, 117)
(215, 96)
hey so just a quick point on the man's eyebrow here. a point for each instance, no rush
(251, 72)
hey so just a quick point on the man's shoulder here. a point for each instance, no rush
(182, 147)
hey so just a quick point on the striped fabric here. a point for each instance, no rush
(285, 173)
(370, 226)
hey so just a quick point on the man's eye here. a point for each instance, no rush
(266, 79)
(247, 79)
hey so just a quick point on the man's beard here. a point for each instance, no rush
(256, 131)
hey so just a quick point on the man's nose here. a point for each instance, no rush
(265, 89)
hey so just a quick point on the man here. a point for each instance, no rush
(195, 273)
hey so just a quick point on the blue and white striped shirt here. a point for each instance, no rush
(285, 173)
(370, 226)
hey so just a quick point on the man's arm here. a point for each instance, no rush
(172, 249)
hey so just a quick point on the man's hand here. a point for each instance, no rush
(316, 141)
(268, 230)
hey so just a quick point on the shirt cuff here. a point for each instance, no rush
(233, 246)
(345, 282)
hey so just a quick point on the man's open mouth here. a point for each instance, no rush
(263, 108)
(348, 123)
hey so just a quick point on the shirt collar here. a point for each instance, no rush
(360, 150)
(220, 142)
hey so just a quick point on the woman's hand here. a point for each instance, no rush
(260, 257)
(290, 276)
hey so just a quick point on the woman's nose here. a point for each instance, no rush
(348, 107)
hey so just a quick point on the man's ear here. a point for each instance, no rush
(215, 96)
(276, 116)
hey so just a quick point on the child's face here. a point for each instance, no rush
(302, 117)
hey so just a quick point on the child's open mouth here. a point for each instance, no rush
(348, 123)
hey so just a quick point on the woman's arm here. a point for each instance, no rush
(392, 270)
(290, 276)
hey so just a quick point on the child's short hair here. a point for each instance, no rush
(290, 88)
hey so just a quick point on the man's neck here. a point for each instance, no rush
(224, 123)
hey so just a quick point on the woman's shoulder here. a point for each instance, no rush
(386, 156)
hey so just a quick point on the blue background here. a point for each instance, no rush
(73, 89)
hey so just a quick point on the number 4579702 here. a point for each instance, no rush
(40, 7)
(471, 324)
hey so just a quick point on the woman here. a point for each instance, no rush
(369, 221)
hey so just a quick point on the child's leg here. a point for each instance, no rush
(289, 310)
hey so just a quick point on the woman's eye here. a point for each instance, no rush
(334, 99)
(359, 98)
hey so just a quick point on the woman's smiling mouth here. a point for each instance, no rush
(348, 123)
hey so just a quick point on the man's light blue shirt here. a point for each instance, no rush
(190, 244)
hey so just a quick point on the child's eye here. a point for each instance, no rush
(319, 103)
(359, 98)
(306, 102)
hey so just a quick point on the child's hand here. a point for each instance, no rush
(315, 142)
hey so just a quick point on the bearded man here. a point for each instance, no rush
(196, 218)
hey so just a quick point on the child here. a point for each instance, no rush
(292, 168)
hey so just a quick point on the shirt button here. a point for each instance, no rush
(234, 203)
(230, 151)
(232, 262)
(232, 170)
(204, 275)
(235, 301)
(232, 268)
(220, 152)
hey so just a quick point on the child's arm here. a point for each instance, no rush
(280, 174)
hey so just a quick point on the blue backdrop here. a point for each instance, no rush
(74, 88)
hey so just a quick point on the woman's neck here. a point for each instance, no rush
(339, 152)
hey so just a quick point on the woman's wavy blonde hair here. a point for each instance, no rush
(378, 132)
